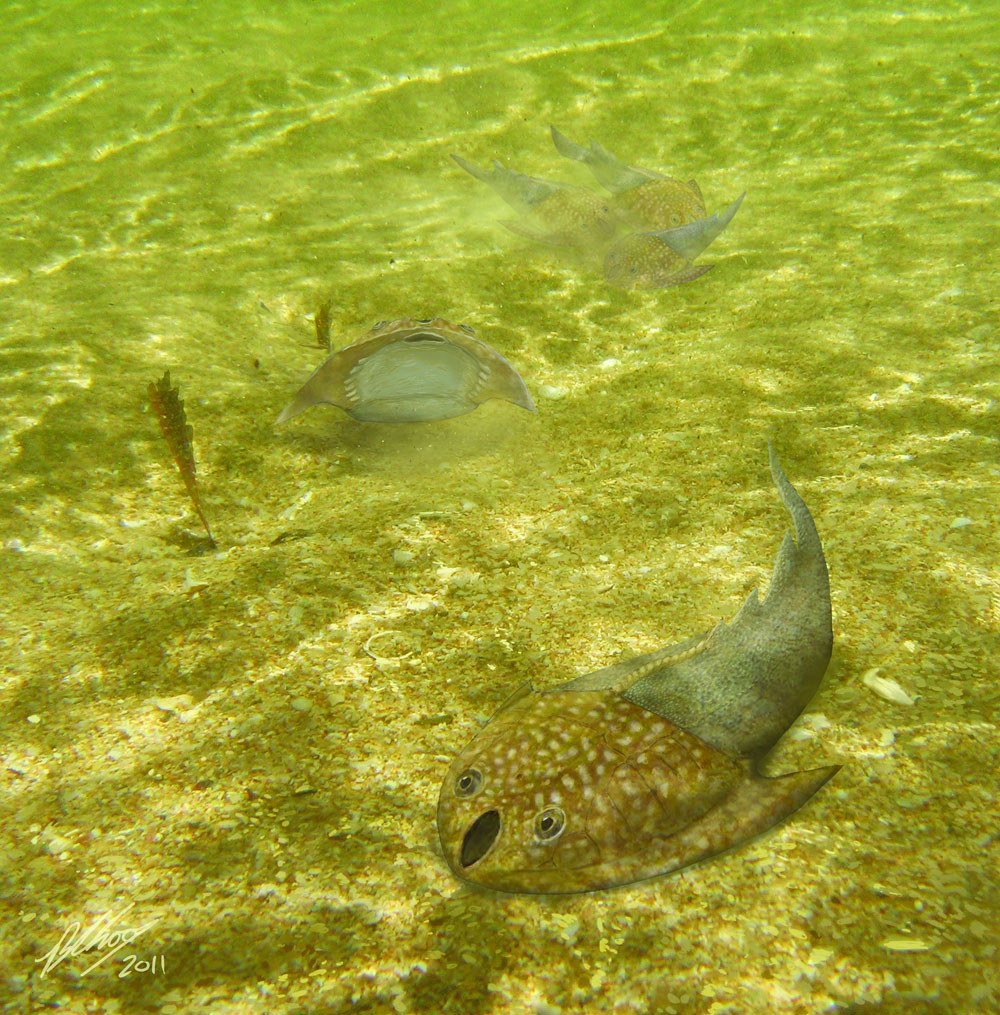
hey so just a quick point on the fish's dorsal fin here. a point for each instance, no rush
(756, 674)
(750, 606)
(665, 657)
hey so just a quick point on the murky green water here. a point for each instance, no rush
(246, 745)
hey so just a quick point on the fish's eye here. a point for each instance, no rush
(549, 823)
(468, 783)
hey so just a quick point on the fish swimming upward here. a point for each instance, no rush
(411, 371)
(651, 764)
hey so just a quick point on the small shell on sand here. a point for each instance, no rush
(886, 688)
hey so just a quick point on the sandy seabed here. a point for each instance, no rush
(237, 752)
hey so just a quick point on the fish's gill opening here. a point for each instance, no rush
(481, 835)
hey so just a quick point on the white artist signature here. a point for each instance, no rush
(103, 934)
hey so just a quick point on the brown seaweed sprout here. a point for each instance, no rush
(177, 432)
(322, 320)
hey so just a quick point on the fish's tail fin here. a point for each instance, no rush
(518, 190)
(801, 559)
(692, 239)
(609, 171)
(756, 674)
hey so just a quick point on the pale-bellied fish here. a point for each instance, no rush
(556, 214)
(653, 763)
(409, 371)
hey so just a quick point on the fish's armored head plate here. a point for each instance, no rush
(410, 371)
(570, 791)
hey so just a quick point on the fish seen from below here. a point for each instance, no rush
(412, 371)
(651, 764)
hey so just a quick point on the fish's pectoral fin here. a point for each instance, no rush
(687, 274)
(756, 804)
(770, 800)
(693, 239)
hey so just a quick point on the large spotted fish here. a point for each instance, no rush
(651, 764)
(666, 219)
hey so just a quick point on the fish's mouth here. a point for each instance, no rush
(479, 838)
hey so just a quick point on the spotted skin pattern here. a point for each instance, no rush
(644, 261)
(569, 217)
(622, 776)
(594, 783)
(660, 204)
(622, 772)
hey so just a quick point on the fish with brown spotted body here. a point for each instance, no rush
(667, 216)
(651, 764)
(660, 204)
(655, 260)
(643, 198)
(644, 261)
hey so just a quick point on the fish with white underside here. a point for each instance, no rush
(412, 371)
(654, 763)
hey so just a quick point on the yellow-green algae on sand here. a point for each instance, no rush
(246, 746)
